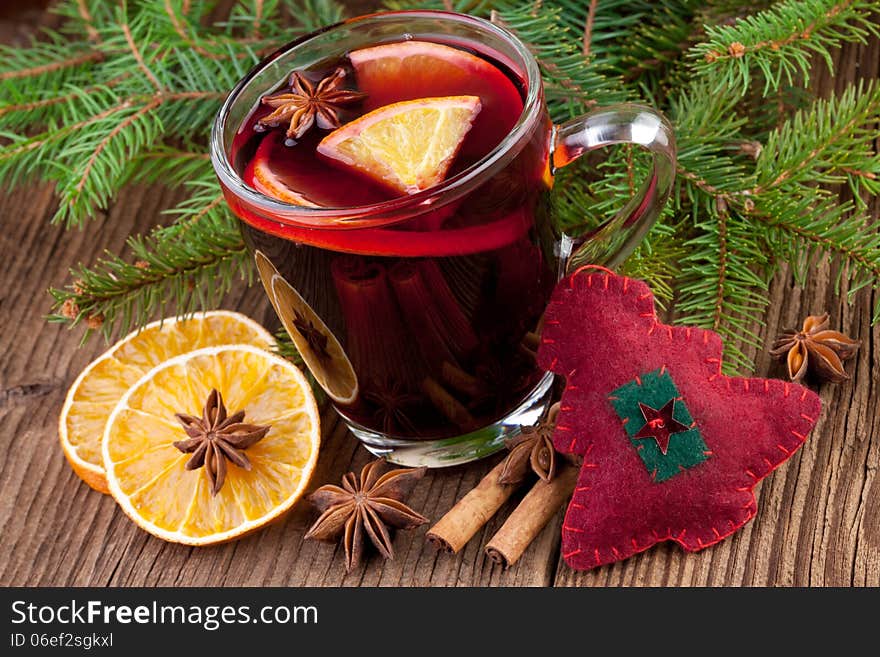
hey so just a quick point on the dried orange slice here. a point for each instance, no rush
(102, 383)
(315, 342)
(146, 472)
(406, 146)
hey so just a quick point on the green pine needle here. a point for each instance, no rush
(178, 269)
(781, 42)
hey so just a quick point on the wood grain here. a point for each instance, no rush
(818, 520)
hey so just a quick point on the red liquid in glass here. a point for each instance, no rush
(439, 313)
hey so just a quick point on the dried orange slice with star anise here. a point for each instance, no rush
(212, 444)
(102, 383)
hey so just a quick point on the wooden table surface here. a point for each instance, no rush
(818, 521)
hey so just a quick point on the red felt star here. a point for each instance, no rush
(750, 426)
(660, 425)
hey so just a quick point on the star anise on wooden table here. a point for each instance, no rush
(816, 349)
(368, 505)
(532, 450)
(217, 437)
(306, 103)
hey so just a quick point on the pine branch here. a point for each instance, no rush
(707, 125)
(171, 166)
(21, 112)
(88, 22)
(781, 41)
(178, 269)
(315, 14)
(104, 128)
(25, 157)
(589, 22)
(719, 287)
(56, 63)
(102, 152)
(657, 260)
(804, 227)
(829, 142)
(84, 17)
(571, 85)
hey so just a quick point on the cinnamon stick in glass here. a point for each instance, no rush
(471, 512)
(449, 406)
(528, 519)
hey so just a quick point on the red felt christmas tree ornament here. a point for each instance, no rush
(671, 447)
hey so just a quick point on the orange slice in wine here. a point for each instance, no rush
(265, 179)
(406, 146)
(295, 176)
(394, 72)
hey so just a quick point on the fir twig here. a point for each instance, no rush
(817, 145)
(179, 269)
(588, 28)
(88, 21)
(86, 57)
(781, 41)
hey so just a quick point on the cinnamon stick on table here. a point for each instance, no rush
(528, 519)
(471, 512)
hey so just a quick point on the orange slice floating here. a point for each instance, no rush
(295, 176)
(263, 177)
(408, 146)
(407, 70)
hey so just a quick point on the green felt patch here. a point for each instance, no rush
(655, 389)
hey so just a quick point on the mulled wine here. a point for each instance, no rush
(391, 174)
(424, 326)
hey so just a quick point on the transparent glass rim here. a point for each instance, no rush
(394, 209)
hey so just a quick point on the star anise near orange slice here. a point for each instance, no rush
(217, 437)
(369, 505)
(816, 349)
(306, 103)
(532, 450)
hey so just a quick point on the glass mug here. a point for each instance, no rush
(420, 315)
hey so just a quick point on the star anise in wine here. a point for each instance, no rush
(315, 338)
(815, 348)
(217, 437)
(306, 103)
(532, 450)
(392, 401)
(369, 505)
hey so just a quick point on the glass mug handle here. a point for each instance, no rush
(614, 240)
